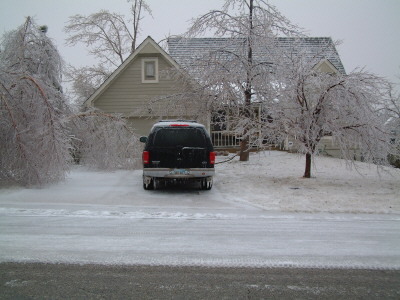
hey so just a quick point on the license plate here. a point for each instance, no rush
(180, 172)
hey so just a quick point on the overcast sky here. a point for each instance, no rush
(369, 29)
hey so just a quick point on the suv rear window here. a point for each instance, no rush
(185, 137)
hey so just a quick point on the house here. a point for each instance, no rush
(144, 76)
(138, 80)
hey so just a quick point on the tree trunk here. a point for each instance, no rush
(244, 149)
(244, 144)
(307, 172)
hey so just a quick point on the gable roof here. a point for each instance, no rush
(184, 50)
(144, 47)
(321, 48)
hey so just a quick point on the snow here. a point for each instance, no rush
(270, 180)
(259, 213)
(273, 180)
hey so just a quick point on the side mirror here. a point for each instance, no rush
(143, 139)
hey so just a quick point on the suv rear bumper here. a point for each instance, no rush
(178, 173)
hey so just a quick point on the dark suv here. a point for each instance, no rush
(178, 152)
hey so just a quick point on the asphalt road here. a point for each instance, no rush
(66, 281)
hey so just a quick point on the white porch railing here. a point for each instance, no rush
(228, 139)
(224, 139)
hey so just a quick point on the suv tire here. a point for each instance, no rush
(206, 185)
(148, 186)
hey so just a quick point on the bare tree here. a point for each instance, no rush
(229, 70)
(34, 139)
(138, 8)
(106, 36)
(109, 38)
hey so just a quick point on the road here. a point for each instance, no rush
(57, 243)
(228, 236)
(60, 281)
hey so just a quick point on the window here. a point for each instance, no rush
(183, 137)
(150, 70)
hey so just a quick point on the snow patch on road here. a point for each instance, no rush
(143, 214)
(117, 214)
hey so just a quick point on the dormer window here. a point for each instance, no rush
(150, 70)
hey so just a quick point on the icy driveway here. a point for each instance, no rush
(108, 218)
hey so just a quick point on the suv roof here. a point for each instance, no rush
(177, 123)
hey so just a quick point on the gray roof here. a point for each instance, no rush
(185, 50)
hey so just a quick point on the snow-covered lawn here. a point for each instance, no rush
(273, 180)
(270, 180)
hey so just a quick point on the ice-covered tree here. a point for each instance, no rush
(229, 68)
(84, 81)
(392, 109)
(109, 38)
(40, 135)
(310, 104)
(34, 147)
(103, 141)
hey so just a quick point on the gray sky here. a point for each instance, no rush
(369, 29)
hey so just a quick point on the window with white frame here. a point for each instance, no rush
(150, 70)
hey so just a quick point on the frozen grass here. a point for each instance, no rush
(273, 180)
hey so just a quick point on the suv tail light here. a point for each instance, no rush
(212, 158)
(146, 157)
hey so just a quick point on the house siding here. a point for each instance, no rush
(128, 95)
(328, 147)
(142, 126)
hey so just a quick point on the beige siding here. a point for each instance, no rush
(326, 67)
(329, 148)
(142, 126)
(127, 94)
(326, 147)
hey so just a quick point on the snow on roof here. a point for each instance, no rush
(184, 50)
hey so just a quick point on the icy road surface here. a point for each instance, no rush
(107, 218)
(219, 235)
(236, 238)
